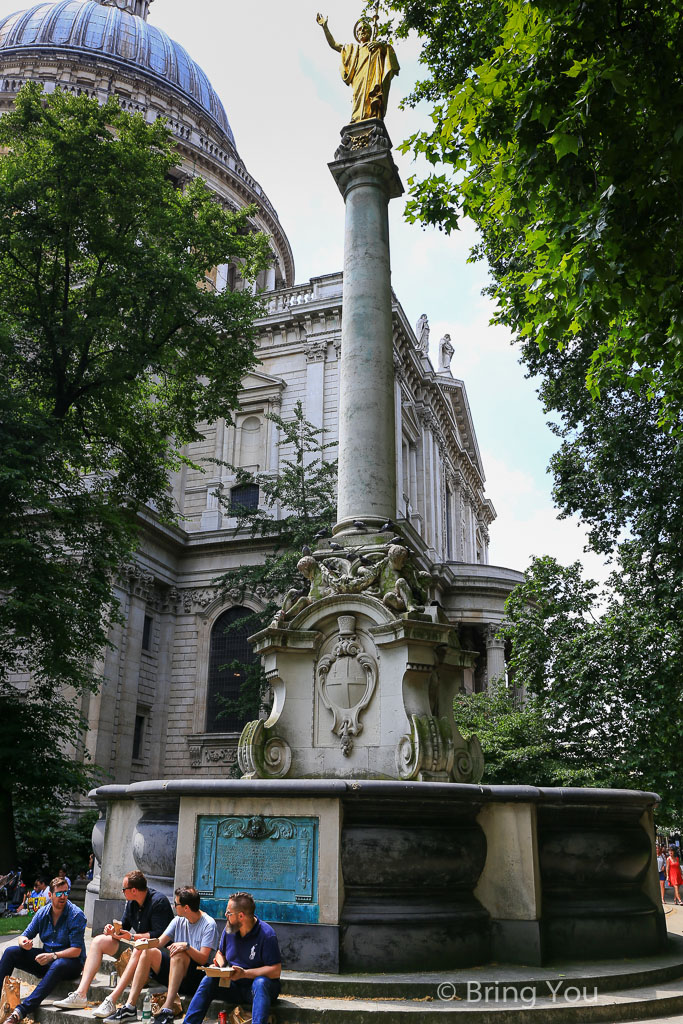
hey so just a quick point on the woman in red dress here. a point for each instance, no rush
(673, 873)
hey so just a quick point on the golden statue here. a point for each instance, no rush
(368, 66)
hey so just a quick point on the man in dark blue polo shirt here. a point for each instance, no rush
(251, 947)
(61, 928)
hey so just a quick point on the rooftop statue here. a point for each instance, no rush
(367, 66)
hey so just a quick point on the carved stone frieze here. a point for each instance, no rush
(316, 351)
(354, 139)
(197, 599)
(208, 750)
(139, 582)
(386, 572)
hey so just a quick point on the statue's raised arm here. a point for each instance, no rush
(322, 21)
(367, 66)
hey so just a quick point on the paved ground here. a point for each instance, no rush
(674, 920)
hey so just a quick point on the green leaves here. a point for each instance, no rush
(564, 119)
(112, 349)
(564, 144)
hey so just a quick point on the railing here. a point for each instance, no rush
(290, 298)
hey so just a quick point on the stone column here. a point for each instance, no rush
(495, 655)
(367, 178)
(400, 487)
(315, 352)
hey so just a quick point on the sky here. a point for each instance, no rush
(280, 85)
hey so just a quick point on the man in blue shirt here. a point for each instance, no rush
(251, 947)
(61, 928)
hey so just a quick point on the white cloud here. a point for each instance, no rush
(527, 522)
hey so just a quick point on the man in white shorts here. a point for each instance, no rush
(189, 942)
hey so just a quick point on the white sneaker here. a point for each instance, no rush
(72, 1002)
(105, 1009)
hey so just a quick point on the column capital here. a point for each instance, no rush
(365, 152)
(315, 351)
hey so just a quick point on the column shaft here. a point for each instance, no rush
(367, 178)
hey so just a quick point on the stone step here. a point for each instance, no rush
(606, 975)
(627, 990)
(573, 1007)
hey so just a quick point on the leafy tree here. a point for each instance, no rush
(112, 348)
(520, 744)
(45, 840)
(295, 504)
(558, 128)
(603, 669)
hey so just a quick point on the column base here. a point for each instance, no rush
(372, 534)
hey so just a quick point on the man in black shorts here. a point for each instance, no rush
(146, 915)
(189, 942)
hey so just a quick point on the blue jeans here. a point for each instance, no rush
(50, 975)
(261, 992)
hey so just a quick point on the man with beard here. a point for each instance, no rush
(249, 946)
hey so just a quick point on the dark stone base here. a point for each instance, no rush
(602, 927)
(516, 942)
(309, 947)
(411, 857)
(435, 941)
(104, 912)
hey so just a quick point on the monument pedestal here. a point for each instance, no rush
(359, 693)
(376, 876)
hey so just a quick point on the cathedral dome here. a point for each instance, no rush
(109, 30)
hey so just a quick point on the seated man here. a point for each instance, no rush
(251, 947)
(60, 926)
(192, 938)
(146, 914)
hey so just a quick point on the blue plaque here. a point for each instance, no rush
(275, 859)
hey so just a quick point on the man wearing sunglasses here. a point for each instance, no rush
(146, 916)
(60, 925)
(189, 942)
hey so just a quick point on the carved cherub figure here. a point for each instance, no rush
(297, 599)
(407, 593)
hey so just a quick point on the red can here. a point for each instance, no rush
(222, 1017)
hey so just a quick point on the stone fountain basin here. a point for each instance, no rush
(397, 876)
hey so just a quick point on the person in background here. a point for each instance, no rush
(673, 873)
(63, 875)
(661, 867)
(36, 898)
(60, 925)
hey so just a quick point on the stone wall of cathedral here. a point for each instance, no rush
(152, 717)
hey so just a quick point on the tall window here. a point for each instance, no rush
(138, 736)
(228, 645)
(147, 633)
(243, 497)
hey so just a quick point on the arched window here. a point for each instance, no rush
(228, 645)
